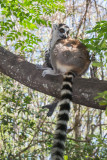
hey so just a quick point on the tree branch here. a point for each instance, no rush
(84, 90)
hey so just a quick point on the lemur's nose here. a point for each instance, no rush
(64, 36)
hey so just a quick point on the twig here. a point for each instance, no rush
(83, 18)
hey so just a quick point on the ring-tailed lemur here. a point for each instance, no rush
(70, 58)
(60, 31)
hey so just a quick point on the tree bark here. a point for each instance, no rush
(84, 90)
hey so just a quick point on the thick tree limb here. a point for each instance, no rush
(84, 90)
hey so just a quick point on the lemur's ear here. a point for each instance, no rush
(55, 26)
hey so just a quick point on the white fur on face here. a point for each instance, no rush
(57, 34)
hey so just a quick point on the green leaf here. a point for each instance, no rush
(65, 157)
(97, 64)
(103, 103)
(105, 53)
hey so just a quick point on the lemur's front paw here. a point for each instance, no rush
(47, 71)
(44, 73)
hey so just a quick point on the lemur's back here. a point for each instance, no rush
(70, 55)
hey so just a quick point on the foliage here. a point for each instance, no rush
(24, 16)
(99, 37)
(94, 149)
(98, 42)
(20, 122)
(103, 98)
(25, 130)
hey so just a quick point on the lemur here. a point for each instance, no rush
(60, 31)
(70, 58)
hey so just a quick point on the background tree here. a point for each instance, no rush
(25, 131)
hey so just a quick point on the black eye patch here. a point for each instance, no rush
(62, 30)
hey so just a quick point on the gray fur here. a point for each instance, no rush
(55, 36)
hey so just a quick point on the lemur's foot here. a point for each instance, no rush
(48, 71)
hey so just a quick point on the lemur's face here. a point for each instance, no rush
(64, 31)
(61, 31)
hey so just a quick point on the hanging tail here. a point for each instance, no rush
(63, 117)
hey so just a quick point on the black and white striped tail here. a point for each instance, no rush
(63, 117)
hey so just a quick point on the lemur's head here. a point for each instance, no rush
(60, 31)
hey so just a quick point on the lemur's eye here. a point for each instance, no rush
(62, 30)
